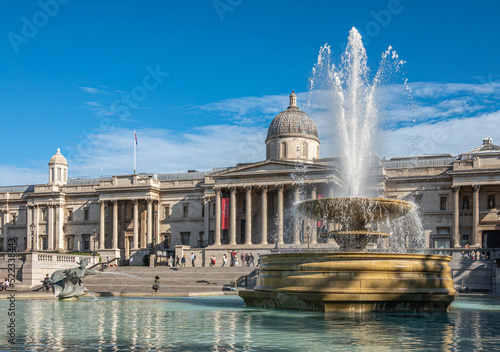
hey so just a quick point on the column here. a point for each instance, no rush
(263, 214)
(149, 239)
(60, 226)
(314, 227)
(115, 225)
(475, 217)
(248, 215)
(456, 216)
(280, 214)
(330, 189)
(102, 226)
(50, 221)
(217, 216)
(206, 219)
(157, 223)
(29, 221)
(5, 229)
(232, 217)
(135, 237)
(37, 228)
(298, 218)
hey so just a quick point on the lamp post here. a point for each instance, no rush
(94, 238)
(308, 230)
(276, 224)
(32, 228)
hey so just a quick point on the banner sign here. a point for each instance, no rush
(225, 214)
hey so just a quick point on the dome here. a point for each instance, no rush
(292, 122)
(58, 158)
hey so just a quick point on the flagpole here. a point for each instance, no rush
(135, 152)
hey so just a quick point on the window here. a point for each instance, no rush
(45, 243)
(86, 242)
(14, 218)
(491, 201)
(70, 215)
(283, 149)
(442, 203)
(185, 210)
(185, 238)
(167, 238)
(1, 246)
(44, 215)
(52, 174)
(304, 149)
(443, 231)
(70, 242)
(166, 211)
(86, 215)
(465, 202)
(465, 237)
(64, 176)
(202, 210)
(213, 210)
(58, 174)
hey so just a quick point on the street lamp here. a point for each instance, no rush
(32, 228)
(276, 224)
(94, 237)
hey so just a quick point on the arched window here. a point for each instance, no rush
(317, 152)
(304, 150)
(283, 149)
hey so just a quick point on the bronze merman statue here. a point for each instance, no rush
(67, 284)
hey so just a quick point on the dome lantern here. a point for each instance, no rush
(58, 169)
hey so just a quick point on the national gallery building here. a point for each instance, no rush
(248, 206)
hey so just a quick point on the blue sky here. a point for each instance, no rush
(223, 70)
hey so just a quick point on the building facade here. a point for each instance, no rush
(249, 205)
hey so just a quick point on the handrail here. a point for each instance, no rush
(104, 263)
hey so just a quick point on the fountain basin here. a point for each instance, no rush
(353, 281)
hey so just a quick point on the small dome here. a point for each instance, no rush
(292, 122)
(58, 158)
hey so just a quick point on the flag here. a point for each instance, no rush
(135, 136)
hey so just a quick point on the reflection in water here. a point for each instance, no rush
(225, 324)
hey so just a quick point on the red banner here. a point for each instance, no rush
(225, 214)
(320, 196)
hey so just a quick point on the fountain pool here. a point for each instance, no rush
(223, 323)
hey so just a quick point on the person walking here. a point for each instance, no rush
(224, 260)
(193, 258)
(177, 261)
(233, 256)
(183, 261)
(251, 260)
(170, 261)
(131, 261)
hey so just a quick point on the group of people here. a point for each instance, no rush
(244, 259)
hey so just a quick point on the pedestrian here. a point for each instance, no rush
(46, 283)
(131, 261)
(183, 261)
(5, 285)
(170, 261)
(212, 260)
(177, 261)
(233, 256)
(250, 261)
(259, 261)
(224, 260)
(243, 257)
(193, 258)
(156, 284)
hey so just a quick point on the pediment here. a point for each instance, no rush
(271, 167)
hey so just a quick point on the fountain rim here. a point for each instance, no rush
(358, 255)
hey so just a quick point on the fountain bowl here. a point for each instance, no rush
(353, 281)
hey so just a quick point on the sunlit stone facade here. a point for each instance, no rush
(125, 215)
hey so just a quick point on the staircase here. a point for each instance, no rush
(196, 280)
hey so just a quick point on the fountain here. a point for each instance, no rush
(67, 284)
(352, 278)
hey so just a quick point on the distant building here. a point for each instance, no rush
(248, 205)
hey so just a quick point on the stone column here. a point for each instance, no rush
(232, 217)
(102, 225)
(297, 218)
(60, 226)
(217, 215)
(314, 227)
(263, 214)
(149, 239)
(157, 223)
(135, 236)
(330, 190)
(280, 214)
(29, 220)
(475, 217)
(115, 225)
(37, 228)
(206, 219)
(456, 216)
(5, 229)
(248, 215)
(50, 221)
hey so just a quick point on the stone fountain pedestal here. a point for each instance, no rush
(353, 282)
